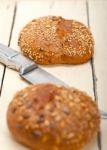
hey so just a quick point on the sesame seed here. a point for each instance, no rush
(42, 36)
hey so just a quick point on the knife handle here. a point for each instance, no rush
(15, 60)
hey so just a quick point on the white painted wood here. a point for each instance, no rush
(79, 76)
(98, 23)
(6, 15)
(1, 73)
(6, 18)
(104, 134)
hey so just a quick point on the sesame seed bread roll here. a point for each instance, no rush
(51, 117)
(55, 40)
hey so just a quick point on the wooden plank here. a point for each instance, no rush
(6, 17)
(104, 134)
(73, 75)
(98, 23)
(1, 74)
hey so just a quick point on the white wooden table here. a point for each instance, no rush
(89, 77)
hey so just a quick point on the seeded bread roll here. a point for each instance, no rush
(55, 40)
(51, 117)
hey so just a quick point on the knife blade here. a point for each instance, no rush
(27, 69)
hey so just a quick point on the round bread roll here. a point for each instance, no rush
(55, 40)
(51, 117)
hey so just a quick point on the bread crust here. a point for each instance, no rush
(51, 117)
(55, 40)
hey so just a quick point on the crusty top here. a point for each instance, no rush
(69, 115)
(53, 40)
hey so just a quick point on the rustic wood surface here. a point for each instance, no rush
(6, 18)
(89, 77)
(98, 24)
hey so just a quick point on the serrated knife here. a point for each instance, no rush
(28, 69)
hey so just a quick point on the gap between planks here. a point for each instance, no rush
(94, 78)
(98, 21)
(51, 5)
(12, 26)
(6, 15)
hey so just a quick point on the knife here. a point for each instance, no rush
(29, 70)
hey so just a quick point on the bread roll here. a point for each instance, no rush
(51, 117)
(55, 40)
